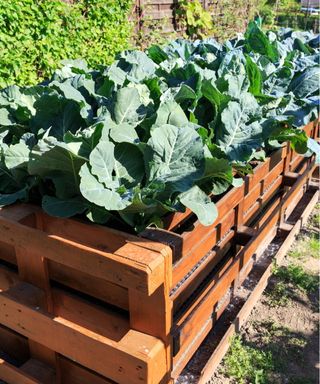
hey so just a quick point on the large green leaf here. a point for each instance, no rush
(199, 203)
(237, 136)
(17, 156)
(95, 192)
(307, 83)
(177, 156)
(128, 107)
(124, 133)
(254, 75)
(129, 164)
(7, 199)
(170, 112)
(218, 174)
(60, 163)
(102, 163)
(257, 41)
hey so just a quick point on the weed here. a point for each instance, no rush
(246, 363)
(306, 246)
(278, 296)
(314, 246)
(296, 275)
(315, 220)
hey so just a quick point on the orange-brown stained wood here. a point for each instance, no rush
(196, 317)
(39, 371)
(153, 314)
(135, 355)
(131, 266)
(263, 199)
(95, 236)
(7, 253)
(73, 373)
(96, 318)
(201, 316)
(185, 290)
(13, 375)
(7, 278)
(96, 287)
(202, 246)
(244, 312)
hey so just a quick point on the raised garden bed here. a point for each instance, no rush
(91, 302)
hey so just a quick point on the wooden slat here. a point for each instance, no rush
(131, 266)
(243, 314)
(39, 371)
(12, 375)
(93, 235)
(96, 287)
(202, 245)
(197, 314)
(136, 355)
(72, 373)
(185, 290)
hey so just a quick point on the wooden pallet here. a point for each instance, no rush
(288, 231)
(130, 309)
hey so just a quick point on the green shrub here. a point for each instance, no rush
(35, 35)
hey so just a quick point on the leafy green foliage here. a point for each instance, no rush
(36, 35)
(194, 18)
(296, 275)
(247, 364)
(157, 131)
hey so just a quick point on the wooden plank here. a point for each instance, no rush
(244, 234)
(171, 239)
(218, 234)
(263, 185)
(40, 371)
(153, 314)
(243, 314)
(7, 278)
(197, 314)
(138, 356)
(19, 212)
(73, 373)
(90, 285)
(93, 235)
(262, 200)
(12, 375)
(131, 266)
(98, 319)
(188, 286)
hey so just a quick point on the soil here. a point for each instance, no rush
(290, 331)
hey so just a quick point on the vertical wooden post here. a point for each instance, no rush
(153, 314)
(33, 269)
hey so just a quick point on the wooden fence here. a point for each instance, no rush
(162, 14)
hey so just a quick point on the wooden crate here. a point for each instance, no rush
(90, 301)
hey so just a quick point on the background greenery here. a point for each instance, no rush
(35, 35)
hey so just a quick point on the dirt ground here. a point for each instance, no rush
(279, 343)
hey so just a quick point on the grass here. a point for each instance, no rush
(266, 356)
(278, 296)
(298, 277)
(305, 247)
(247, 364)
